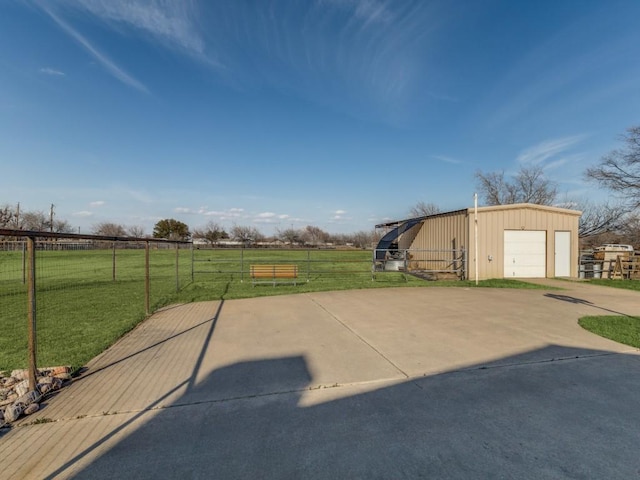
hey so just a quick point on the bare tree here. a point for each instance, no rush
(290, 236)
(596, 218)
(136, 231)
(529, 185)
(212, 233)
(600, 218)
(619, 170)
(62, 226)
(246, 235)
(109, 229)
(364, 238)
(7, 216)
(340, 239)
(314, 235)
(35, 221)
(422, 209)
(630, 230)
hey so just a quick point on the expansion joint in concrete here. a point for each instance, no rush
(354, 333)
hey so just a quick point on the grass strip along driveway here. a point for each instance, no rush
(620, 328)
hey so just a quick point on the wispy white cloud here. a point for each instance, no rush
(111, 67)
(339, 215)
(83, 213)
(52, 72)
(174, 24)
(230, 214)
(362, 57)
(576, 158)
(183, 210)
(366, 11)
(540, 153)
(271, 218)
(97, 203)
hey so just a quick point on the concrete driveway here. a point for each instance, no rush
(389, 383)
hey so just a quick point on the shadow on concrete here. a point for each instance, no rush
(85, 373)
(189, 383)
(571, 418)
(580, 301)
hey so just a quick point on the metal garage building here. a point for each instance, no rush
(513, 241)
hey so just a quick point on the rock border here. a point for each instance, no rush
(17, 400)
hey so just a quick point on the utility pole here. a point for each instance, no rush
(51, 218)
(18, 216)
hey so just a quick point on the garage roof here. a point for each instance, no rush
(470, 210)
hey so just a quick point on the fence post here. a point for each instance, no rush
(177, 268)
(113, 261)
(308, 264)
(192, 264)
(465, 275)
(373, 266)
(24, 262)
(147, 289)
(242, 264)
(31, 298)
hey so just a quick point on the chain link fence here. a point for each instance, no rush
(64, 298)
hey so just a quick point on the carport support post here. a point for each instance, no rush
(475, 214)
(31, 298)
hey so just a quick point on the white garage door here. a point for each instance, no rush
(525, 253)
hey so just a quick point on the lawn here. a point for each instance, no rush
(626, 284)
(622, 329)
(82, 309)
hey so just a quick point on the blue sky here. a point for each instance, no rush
(277, 114)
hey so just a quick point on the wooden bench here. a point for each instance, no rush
(273, 274)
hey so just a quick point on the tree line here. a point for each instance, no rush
(37, 221)
(212, 233)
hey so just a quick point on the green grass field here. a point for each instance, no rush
(625, 284)
(621, 329)
(81, 309)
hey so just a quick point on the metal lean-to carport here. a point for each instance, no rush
(391, 237)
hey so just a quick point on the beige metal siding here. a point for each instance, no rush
(407, 238)
(493, 221)
(455, 230)
(438, 236)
